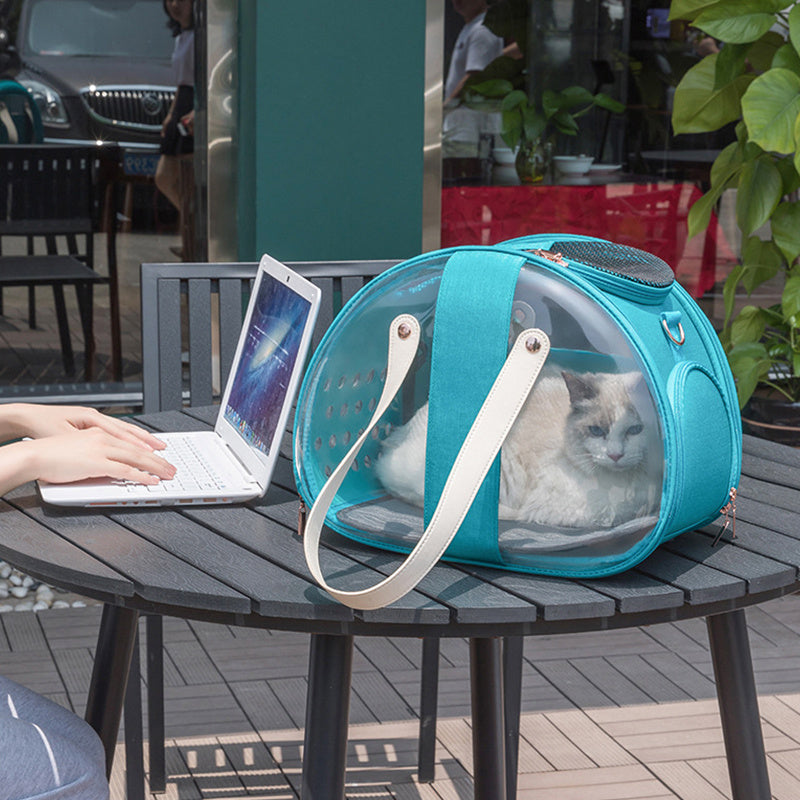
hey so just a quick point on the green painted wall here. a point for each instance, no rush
(331, 128)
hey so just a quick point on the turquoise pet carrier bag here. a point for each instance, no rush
(556, 404)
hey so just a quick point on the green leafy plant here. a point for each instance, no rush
(525, 119)
(754, 80)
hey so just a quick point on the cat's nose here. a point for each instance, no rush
(615, 456)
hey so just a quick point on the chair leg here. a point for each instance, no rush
(155, 702)
(429, 689)
(84, 292)
(67, 355)
(31, 307)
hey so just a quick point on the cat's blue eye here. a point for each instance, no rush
(635, 430)
(596, 430)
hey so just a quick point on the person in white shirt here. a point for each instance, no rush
(475, 48)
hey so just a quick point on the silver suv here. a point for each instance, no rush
(99, 69)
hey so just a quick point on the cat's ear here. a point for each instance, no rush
(632, 381)
(579, 388)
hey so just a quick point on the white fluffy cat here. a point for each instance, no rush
(575, 457)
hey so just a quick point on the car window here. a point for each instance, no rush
(132, 28)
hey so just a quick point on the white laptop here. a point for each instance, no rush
(235, 461)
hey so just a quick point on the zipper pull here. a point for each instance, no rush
(549, 255)
(729, 510)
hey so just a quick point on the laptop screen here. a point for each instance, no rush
(267, 359)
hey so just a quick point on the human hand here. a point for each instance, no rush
(38, 421)
(188, 122)
(84, 453)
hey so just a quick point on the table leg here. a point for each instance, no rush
(428, 699)
(738, 706)
(112, 661)
(134, 738)
(488, 728)
(330, 672)
(512, 701)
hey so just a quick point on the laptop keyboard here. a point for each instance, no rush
(195, 472)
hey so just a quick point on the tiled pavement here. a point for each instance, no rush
(619, 714)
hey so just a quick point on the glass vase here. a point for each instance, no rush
(533, 160)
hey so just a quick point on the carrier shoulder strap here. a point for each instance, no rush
(475, 457)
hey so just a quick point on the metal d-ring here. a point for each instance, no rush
(682, 335)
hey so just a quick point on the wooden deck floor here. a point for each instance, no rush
(620, 714)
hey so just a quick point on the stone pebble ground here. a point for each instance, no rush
(21, 592)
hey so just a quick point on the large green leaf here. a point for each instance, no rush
(785, 224)
(739, 22)
(761, 262)
(760, 189)
(730, 64)
(689, 9)
(787, 58)
(770, 108)
(790, 299)
(750, 364)
(748, 326)
(761, 53)
(698, 107)
(608, 103)
(794, 27)
(729, 291)
(700, 212)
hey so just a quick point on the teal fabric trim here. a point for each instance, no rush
(470, 344)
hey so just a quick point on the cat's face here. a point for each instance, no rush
(603, 429)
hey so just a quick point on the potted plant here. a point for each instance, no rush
(530, 125)
(753, 80)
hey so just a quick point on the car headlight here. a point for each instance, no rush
(49, 102)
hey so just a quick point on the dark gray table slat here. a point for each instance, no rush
(556, 598)
(700, 583)
(634, 593)
(764, 469)
(761, 448)
(158, 576)
(785, 521)
(273, 591)
(172, 421)
(765, 541)
(761, 573)
(34, 548)
(780, 496)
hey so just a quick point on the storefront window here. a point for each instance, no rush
(556, 117)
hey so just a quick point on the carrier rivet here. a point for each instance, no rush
(404, 330)
(532, 344)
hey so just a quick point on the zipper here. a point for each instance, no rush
(729, 515)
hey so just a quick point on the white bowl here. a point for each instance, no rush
(573, 165)
(503, 155)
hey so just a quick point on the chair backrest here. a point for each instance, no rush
(204, 329)
(48, 190)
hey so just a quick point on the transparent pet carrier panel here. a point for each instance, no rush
(581, 471)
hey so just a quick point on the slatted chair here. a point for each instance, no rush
(48, 198)
(181, 354)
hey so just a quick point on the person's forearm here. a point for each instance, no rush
(18, 465)
(15, 420)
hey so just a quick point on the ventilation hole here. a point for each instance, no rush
(327, 385)
(374, 433)
(332, 441)
(328, 470)
(371, 376)
(367, 462)
(343, 410)
(318, 443)
(356, 379)
(329, 412)
(372, 403)
(359, 404)
(387, 429)
(342, 381)
(383, 374)
(346, 437)
(354, 466)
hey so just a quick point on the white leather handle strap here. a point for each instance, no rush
(481, 446)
